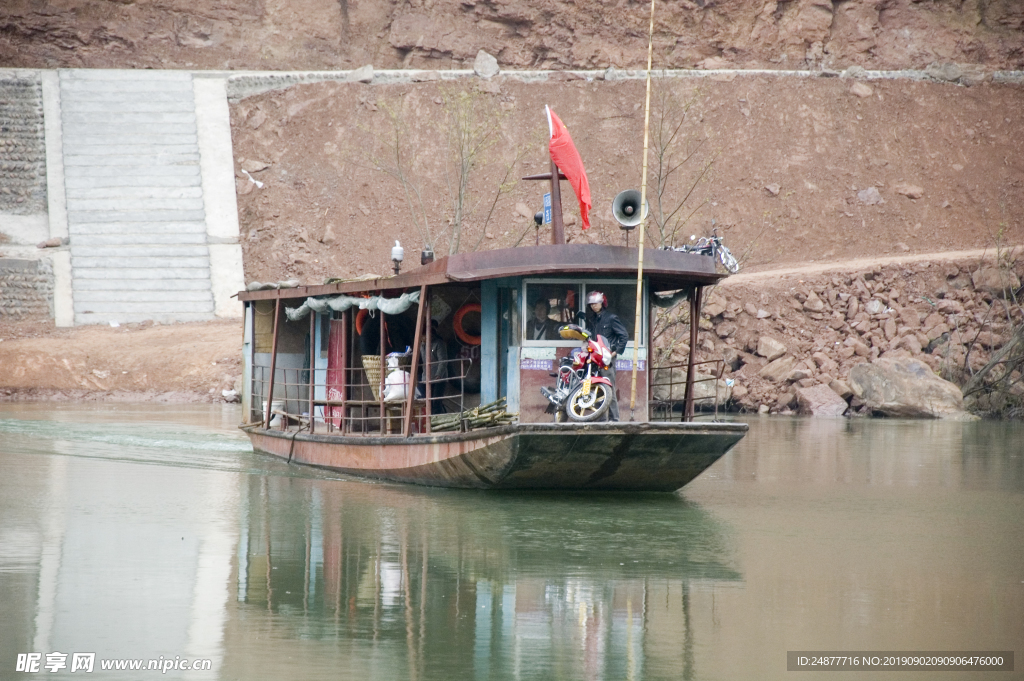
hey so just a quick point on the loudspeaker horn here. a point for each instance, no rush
(626, 209)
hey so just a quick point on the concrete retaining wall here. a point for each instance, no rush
(26, 289)
(22, 147)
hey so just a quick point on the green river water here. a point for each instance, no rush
(154, 533)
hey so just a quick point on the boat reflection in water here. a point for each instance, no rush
(370, 581)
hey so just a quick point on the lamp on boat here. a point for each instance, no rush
(427, 255)
(397, 255)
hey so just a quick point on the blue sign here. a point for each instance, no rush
(547, 208)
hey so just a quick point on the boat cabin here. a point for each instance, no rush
(464, 342)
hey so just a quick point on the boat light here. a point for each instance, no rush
(397, 255)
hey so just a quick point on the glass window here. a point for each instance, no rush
(621, 300)
(549, 305)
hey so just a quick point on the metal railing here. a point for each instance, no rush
(673, 391)
(350, 401)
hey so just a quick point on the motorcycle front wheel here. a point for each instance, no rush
(587, 408)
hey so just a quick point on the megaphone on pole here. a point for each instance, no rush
(626, 209)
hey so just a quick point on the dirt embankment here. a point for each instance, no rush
(442, 34)
(806, 173)
(818, 169)
(135, 362)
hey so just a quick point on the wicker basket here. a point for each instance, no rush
(371, 365)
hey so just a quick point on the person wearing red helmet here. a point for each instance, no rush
(603, 322)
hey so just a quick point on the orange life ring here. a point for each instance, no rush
(360, 319)
(457, 323)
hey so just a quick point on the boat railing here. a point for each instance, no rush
(668, 389)
(359, 400)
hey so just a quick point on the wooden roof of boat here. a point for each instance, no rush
(667, 270)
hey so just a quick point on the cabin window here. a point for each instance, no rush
(549, 304)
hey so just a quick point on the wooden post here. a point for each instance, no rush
(426, 360)
(383, 367)
(252, 358)
(411, 387)
(694, 328)
(312, 367)
(345, 371)
(273, 364)
(650, 353)
(557, 230)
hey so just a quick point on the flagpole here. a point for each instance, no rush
(643, 222)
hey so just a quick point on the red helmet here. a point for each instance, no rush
(597, 297)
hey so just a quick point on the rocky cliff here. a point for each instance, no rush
(338, 34)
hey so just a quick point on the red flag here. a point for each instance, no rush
(565, 156)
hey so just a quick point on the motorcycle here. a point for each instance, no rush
(711, 246)
(581, 394)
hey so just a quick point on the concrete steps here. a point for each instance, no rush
(136, 214)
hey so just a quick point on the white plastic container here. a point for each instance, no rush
(275, 419)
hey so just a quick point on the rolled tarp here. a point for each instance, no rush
(341, 303)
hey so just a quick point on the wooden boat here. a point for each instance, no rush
(330, 407)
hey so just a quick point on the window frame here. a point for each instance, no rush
(526, 314)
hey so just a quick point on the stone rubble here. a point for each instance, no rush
(802, 355)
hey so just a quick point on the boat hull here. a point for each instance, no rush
(657, 457)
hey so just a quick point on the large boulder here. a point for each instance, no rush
(906, 387)
(778, 369)
(820, 400)
(769, 348)
(485, 65)
(999, 282)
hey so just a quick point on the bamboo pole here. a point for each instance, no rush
(410, 389)
(643, 222)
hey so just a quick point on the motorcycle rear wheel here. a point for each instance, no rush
(589, 408)
(728, 260)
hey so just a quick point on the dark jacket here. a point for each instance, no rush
(607, 324)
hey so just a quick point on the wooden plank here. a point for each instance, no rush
(312, 367)
(410, 389)
(694, 329)
(273, 363)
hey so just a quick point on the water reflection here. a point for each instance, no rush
(99, 554)
(880, 452)
(139, 532)
(465, 585)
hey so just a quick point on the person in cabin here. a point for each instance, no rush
(603, 322)
(541, 326)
